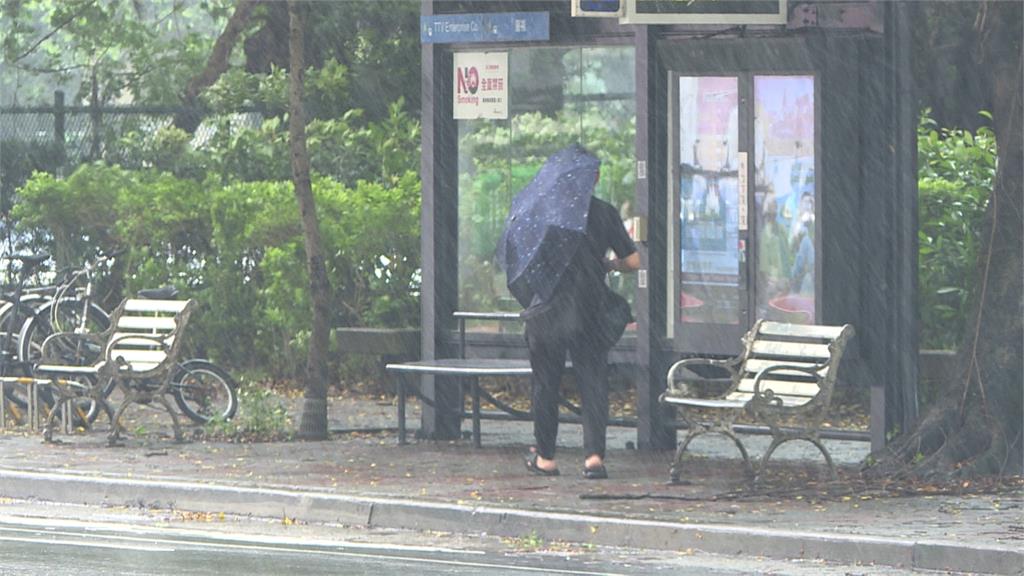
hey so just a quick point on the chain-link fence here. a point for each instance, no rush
(58, 138)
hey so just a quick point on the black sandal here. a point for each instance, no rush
(597, 473)
(532, 468)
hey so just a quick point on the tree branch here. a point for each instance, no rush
(216, 64)
(56, 29)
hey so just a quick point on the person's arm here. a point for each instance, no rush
(627, 258)
(630, 263)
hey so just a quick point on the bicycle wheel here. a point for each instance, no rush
(68, 316)
(12, 319)
(204, 391)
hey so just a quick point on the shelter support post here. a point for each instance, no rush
(439, 228)
(653, 432)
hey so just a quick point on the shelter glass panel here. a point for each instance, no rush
(709, 290)
(557, 96)
(785, 195)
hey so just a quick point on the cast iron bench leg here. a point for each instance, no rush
(401, 409)
(476, 412)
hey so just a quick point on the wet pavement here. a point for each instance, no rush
(796, 497)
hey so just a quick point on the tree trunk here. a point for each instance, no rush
(976, 428)
(268, 46)
(189, 118)
(313, 425)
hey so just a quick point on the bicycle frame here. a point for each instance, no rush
(83, 294)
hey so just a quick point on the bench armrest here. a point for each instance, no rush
(64, 347)
(674, 387)
(767, 397)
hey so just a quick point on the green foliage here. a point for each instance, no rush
(344, 146)
(370, 242)
(75, 213)
(145, 51)
(249, 154)
(167, 148)
(238, 247)
(18, 160)
(379, 43)
(956, 170)
(237, 89)
(262, 417)
(349, 150)
(214, 213)
(530, 542)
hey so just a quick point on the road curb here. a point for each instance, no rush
(376, 512)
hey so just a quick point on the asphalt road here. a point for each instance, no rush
(58, 540)
(77, 551)
(70, 553)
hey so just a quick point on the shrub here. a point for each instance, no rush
(238, 249)
(262, 417)
(19, 159)
(956, 170)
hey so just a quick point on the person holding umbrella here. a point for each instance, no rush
(553, 252)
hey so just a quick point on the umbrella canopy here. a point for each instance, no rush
(547, 223)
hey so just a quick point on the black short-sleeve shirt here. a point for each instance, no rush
(605, 231)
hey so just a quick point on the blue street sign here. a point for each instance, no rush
(600, 5)
(496, 27)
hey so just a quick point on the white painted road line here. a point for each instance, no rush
(176, 544)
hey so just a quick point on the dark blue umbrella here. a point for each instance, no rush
(547, 223)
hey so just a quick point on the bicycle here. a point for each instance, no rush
(21, 302)
(70, 309)
(65, 307)
(10, 322)
(21, 389)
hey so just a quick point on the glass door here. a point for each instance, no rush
(739, 252)
(786, 197)
(709, 289)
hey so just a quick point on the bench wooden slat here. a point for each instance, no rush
(139, 356)
(155, 306)
(780, 387)
(703, 402)
(794, 350)
(65, 369)
(146, 323)
(466, 315)
(800, 330)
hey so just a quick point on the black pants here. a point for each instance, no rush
(548, 344)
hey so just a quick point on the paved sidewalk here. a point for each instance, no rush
(365, 478)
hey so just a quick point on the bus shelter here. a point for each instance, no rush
(763, 157)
